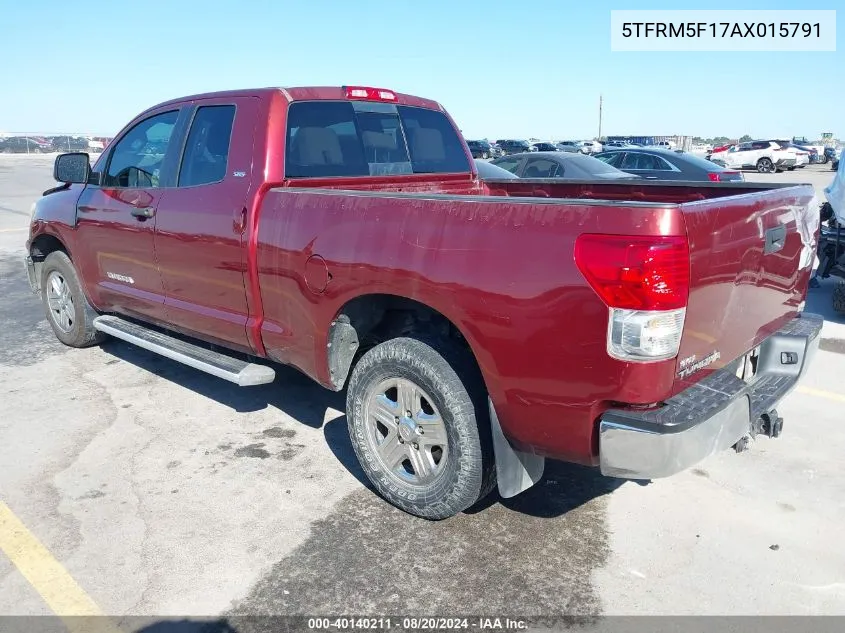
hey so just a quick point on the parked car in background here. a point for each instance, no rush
(812, 151)
(545, 146)
(568, 165)
(664, 164)
(766, 157)
(802, 156)
(488, 171)
(25, 145)
(481, 149)
(619, 144)
(69, 143)
(664, 145)
(513, 146)
(569, 146)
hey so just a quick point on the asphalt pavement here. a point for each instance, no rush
(162, 491)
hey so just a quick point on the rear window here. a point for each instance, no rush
(360, 138)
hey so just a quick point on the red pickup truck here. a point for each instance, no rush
(479, 327)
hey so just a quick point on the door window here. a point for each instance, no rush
(541, 168)
(640, 162)
(137, 158)
(508, 163)
(207, 150)
(611, 158)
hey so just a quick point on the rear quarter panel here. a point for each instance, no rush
(501, 269)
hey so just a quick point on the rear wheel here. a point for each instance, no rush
(68, 311)
(839, 296)
(823, 159)
(419, 428)
(765, 166)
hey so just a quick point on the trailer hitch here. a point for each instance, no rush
(769, 424)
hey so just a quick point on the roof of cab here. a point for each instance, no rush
(298, 93)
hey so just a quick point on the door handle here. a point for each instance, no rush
(143, 213)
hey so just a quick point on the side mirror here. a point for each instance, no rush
(72, 168)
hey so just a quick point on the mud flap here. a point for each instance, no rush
(515, 471)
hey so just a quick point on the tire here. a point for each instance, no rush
(765, 166)
(449, 390)
(791, 168)
(824, 159)
(839, 297)
(68, 311)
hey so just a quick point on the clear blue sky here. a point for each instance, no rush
(501, 68)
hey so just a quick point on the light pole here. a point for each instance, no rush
(600, 104)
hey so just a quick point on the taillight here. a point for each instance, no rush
(722, 176)
(369, 94)
(645, 283)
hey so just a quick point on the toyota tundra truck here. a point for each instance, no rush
(477, 327)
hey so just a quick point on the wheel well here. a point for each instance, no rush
(43, 245)
(366, 321)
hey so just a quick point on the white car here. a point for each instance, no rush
(802, 157)
(765, 156)
(664, 145)
(589, 147)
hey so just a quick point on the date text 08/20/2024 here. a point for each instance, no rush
(417, 623)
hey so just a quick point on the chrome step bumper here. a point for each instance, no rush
(711, 415)
(240, 372)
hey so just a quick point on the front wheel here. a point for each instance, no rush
(68, 311)
(419, 430)
(765, 166)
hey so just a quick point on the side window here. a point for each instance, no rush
(634, 160)
(508, 163)
(136, 159)
(540, 168)
(613, 158)
(207, 150)
(761, 145)
(661, 164)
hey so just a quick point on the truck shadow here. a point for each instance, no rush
(563, 487)
(291, 392)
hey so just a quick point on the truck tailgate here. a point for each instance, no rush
(750, 262)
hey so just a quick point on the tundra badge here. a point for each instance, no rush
(688, 366)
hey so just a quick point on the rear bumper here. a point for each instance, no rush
(785, 162)
(710, 416)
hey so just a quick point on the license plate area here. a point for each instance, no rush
(747, 366)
